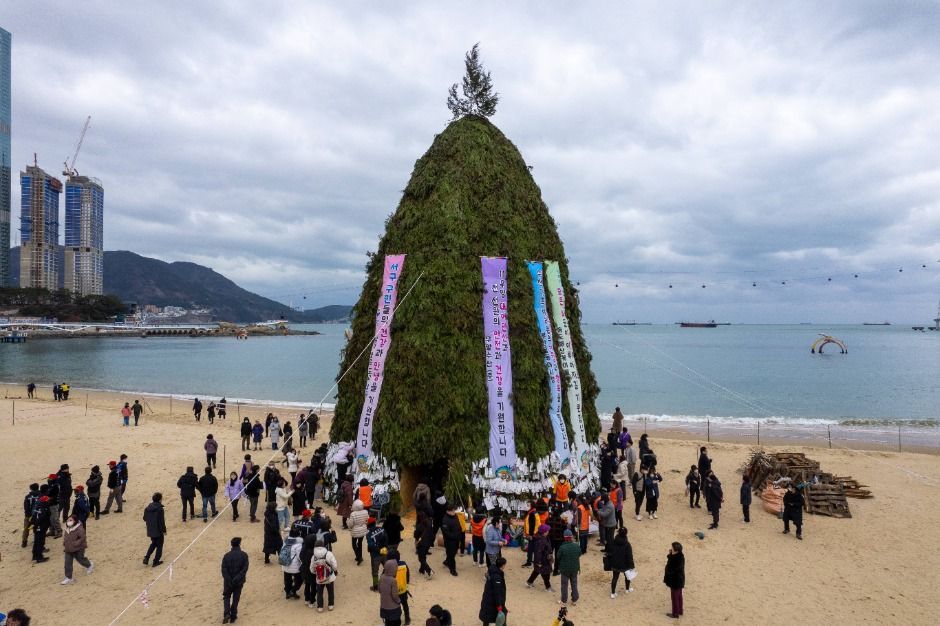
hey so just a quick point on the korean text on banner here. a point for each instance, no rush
(394, 263)
(566, 359)
(498, 365)
(562, 447)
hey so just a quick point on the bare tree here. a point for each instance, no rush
(478, 95)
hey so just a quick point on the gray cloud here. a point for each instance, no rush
(674, 145)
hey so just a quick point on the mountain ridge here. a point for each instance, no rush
(145, 280)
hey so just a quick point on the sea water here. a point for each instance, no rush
(737, 373)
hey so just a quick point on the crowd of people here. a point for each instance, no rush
(299, 535)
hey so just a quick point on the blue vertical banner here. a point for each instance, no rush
(562, 445)
(498, 365)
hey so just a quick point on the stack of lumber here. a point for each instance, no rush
(823, 493)
(853, 488)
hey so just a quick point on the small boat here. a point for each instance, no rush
(708, 324)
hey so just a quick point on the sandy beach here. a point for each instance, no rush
(878, 567)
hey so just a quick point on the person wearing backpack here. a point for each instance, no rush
(324, 568)
(326, 533)
(376, 541)
(308, 544)
(403, 576)
(358, 523)
(389, 600)
(289, 559)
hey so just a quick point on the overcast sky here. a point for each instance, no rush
(673, 144)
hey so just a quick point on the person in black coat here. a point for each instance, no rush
(272, 532)
(271, 476)
(246, 434)
(453, 535)
(608, 465)
(39, 520)
(793, 510)
(424, 538)
(306, 556)
(674, 578)
(187, 484)
(93, 489)
(114, 489)
(619, 561)
(746, 498)
(234, 574)
(693, 486)
(30, 502)
(252, 482)
(493, 601)
(393, 527)
(64, 481)
(704, 463)
(715, 497)
(156, 529)
(208, 487)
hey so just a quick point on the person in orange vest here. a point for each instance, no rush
(541, 505)
(561, 487)
(616, 498)
(529, 528)
(584, 523)
(364, 493)
(477, 522)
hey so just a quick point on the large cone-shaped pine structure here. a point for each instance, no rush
(470, 195)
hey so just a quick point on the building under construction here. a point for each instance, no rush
(5, 162)
(84, 235)
(39, 228)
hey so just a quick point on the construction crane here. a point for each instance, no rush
(70, 167)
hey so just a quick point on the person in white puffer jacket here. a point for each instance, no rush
(358, 527)
(324, 568)
(292, 579)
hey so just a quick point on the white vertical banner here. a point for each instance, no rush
(567, 361)
(394, 263)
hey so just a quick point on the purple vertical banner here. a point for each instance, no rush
(498, 366)
(394, 263)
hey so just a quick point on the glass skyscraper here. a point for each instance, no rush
(84, 236)
(39, 229)
(6, 41)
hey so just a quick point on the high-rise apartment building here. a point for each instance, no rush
(6, 41)
(39, 228)
(84, 236)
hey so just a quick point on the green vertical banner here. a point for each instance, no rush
(556, 298)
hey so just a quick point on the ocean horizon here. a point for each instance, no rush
(656, 373)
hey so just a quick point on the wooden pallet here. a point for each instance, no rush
(826, 499)
(824, 493)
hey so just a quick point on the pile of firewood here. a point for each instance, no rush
(823, 493)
